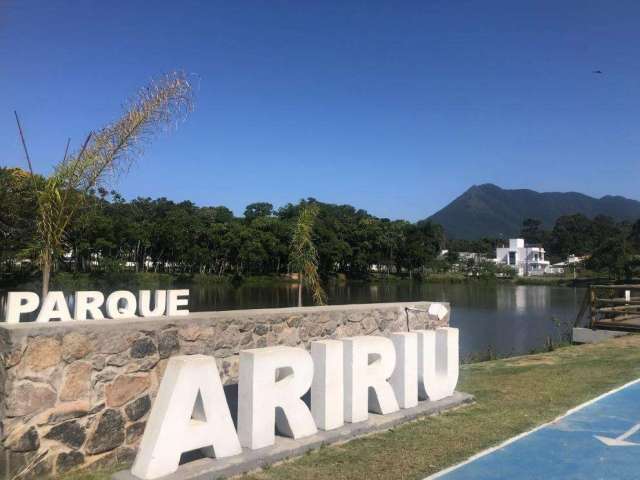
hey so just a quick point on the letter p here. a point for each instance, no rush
(19, 303)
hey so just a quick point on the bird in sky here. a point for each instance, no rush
(597, 71)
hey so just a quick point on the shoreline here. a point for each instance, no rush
(93, 280)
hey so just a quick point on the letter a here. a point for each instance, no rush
(189, 413)
(54, 306)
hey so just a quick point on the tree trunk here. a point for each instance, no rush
(300, 289)
(137, 256)
(46, 274)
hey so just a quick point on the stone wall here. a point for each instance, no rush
(77, 394)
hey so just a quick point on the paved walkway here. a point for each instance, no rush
(597, 440)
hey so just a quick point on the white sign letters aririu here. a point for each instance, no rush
(89, 305)
(347, 378)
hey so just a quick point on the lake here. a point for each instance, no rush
(495, 319)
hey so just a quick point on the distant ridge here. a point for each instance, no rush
(490, 211)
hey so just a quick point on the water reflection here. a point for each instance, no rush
(500, 318)
(523, 298)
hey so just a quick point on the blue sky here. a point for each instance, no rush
(395, 107)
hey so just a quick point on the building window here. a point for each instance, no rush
(512, 258)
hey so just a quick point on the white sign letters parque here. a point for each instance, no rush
(348, 378)
(89, 305)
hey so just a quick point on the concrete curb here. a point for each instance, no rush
(208, 468)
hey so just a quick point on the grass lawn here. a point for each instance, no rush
(512, 395)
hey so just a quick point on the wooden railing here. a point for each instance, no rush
(612, 307)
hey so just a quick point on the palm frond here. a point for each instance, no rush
(104, 155)
(304, 255)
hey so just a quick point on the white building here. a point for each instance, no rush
(570, 264)
(525, 259)
(466, 256)
(574, 259)
(556, 268)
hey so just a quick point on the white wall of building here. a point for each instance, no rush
(525, 259)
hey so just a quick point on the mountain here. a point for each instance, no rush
(490, 211)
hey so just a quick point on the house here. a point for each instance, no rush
(525, 259)
(569, 265)
(464, 257)
(556, 268)
(574, 259)
(467, 257)
(465, 261)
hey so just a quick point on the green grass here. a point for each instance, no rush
(512, 396)
(268, 280)
(451, 277)
(544, 280)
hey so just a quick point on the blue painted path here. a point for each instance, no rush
(569, 448)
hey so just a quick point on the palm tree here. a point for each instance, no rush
(104, 155)
(304, 256)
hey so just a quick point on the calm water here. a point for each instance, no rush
(494, 319)
(498, 319)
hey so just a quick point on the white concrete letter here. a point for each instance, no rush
(54, 306)
(405, 376)
(88, 302)
(368, 363)
(113, 305)
(190, 412)
(438, 362)
(19, 303)
(327, 389)
(174, 301)
(272, 380)
(159, 301)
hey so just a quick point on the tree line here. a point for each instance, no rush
(610, 246)
(110, 233)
